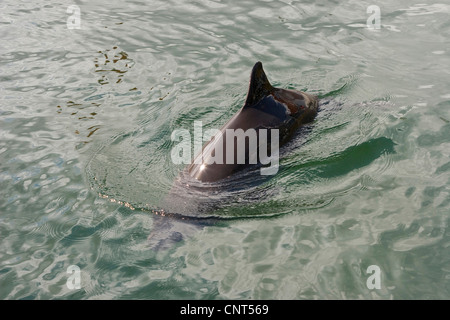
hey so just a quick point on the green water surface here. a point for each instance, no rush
(86, 117)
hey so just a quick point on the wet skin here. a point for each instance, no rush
(266, 107)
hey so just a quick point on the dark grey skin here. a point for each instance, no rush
(266, 107)
(186, 208)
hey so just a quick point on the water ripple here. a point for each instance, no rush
(86, 117)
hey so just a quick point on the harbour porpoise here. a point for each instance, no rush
(267, 108)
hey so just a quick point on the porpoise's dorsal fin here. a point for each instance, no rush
(259, 85)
